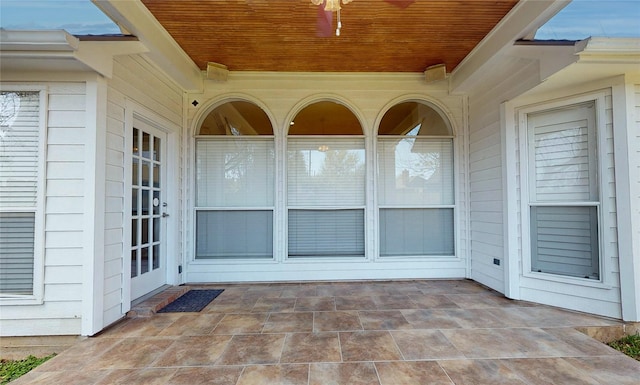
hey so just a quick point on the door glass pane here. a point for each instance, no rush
(156, 175)
(146, 144)
(146, 202)
(145, 231)
(135, 175)
(144, 260)
(134, 263)
(136, 142)
(134, 201)
(134, 232)
(145, 174)
(156, 229)
(156, 256)
(156, 148)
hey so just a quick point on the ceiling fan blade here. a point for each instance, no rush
(324, 22)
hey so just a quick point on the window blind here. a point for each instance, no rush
(234, 234)
(326, 233)
(563, 169)
(16, 252)
(19, 141)
(235, 173)
(416, 232)
(415, 171)
(325, 172)
(565, 240)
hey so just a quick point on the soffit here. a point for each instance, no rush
(282, 35)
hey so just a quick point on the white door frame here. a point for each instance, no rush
(150, 277)
(137, 112)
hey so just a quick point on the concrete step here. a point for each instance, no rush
(150, 306)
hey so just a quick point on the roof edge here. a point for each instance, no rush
(164, 51)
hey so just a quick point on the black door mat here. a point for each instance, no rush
(191, 301)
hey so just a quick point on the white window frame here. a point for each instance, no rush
(37, 297)
(598, 100)
(452, 206)
(363, 207)
(225, 261)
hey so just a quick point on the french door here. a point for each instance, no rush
(148, 209)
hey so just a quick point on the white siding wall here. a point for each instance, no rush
(135, 80)
(369, 95)
(64, 206)
(486, 195)
(636, 171)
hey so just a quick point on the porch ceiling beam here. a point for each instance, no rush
(134, 18)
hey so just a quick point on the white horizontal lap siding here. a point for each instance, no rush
(135, 80)
(65, 173)
(486, 195)
(636, 170)
(114, 208)
(369, 95)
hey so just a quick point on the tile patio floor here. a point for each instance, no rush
(406, 332)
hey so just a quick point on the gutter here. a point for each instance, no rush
(94, 53)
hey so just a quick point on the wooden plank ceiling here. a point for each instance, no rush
(292, 35)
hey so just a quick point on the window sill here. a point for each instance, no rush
(21, 300)
(575, 281)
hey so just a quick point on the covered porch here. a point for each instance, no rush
(360, 332)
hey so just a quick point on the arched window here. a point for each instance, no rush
(415, 182)
(235, 168)
(325, 183)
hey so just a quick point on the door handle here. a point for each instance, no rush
(164, 215)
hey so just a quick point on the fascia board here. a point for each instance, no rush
(167, 55)
(609, 50)
(526, 17)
